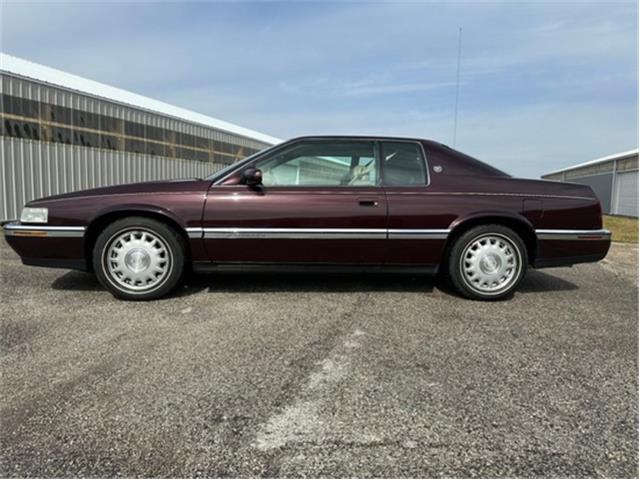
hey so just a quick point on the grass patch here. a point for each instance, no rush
(623, 229)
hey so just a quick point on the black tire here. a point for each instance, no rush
(479, 275)
(147, 243)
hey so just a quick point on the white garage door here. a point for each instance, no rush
(627, 194)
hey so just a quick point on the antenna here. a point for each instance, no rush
(455, 109)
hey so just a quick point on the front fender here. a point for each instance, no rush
(133, 208)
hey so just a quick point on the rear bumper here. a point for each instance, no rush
(558, 248)
(584, 235)
(48, 246)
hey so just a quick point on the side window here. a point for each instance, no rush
(403, 164)
(322, 163)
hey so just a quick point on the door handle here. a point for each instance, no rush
(368, 203)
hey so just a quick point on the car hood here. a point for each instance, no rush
(164, 186)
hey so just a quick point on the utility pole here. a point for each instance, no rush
(455, 110)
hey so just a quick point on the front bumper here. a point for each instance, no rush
(48, 245)
(16, 229)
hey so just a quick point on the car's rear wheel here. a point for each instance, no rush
(487, 262)
(138, 258)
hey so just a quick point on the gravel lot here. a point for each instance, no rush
(321, 376)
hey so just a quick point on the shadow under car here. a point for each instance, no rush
(534, 281)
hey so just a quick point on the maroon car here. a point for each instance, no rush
(320, 203)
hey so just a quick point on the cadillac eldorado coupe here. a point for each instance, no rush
(320, 204)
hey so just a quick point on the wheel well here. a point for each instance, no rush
(100, 223)
(524, 231)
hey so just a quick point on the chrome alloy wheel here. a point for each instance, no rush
(137, 260)
(490, 264)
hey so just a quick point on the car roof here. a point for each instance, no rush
(359, 137)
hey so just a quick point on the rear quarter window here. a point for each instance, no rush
(403, 164)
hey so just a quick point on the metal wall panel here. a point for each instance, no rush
(601, 185)
(32, 169)
(626, 194)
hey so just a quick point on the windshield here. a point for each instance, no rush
(223, 171)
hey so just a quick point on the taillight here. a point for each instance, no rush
(599, 212)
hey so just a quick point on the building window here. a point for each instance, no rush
(61, 135)
(20, 106)
(185, 153)
(135, 146)
(156, 149)
(10, 128)
(86, 139)
(53, 123)
(31, 130)
(109, 124)
(60, 115)
(84, 119)
(202, 156)
(109, 142)
(133, 129)
(155, 133)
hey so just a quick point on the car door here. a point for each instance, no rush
(415, 232)
(320, 201)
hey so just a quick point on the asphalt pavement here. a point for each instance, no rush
(321, 376)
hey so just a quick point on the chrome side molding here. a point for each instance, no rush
(422, 234)
(556, 234)
(297, 233)
(194, 232)
(19, 230)
(317, 233)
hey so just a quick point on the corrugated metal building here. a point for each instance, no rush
(614, 179)
(62, 133)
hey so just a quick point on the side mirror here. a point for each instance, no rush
(252, 176)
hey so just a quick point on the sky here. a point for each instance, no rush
(543, 84)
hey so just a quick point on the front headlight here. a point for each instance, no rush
(34, 215)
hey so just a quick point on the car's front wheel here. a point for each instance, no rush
(138, 258)
(487, 262)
